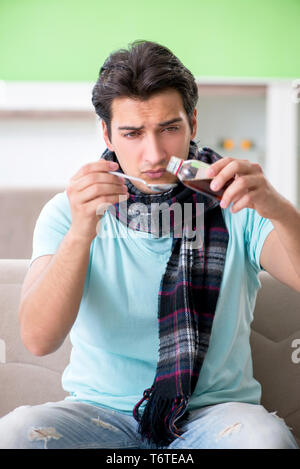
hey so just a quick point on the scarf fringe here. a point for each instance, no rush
(157, 424)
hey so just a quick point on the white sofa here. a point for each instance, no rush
(26, 379)
(19, 210)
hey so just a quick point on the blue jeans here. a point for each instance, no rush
(69, 424)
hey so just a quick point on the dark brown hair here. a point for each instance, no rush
(145, 68)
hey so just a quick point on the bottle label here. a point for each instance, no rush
(202, 168)
(198, 164)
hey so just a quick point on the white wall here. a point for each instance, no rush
(45, 151)
(47, 132)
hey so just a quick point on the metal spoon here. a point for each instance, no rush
(153, 187)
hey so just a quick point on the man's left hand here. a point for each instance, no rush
(249, 189)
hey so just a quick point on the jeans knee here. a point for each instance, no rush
(24, 428)
(258, 429)
(279, 435)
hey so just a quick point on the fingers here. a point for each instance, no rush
(93, 180)
(238, 189)
(98, 177)
(216, 167)
(97, 166)
(108, 192)
(92, 187)
(228, 168)
(92, 184)
(244, 202)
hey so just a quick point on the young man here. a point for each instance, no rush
(160, 329)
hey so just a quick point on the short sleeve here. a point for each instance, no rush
(256, 231)
(52, 225)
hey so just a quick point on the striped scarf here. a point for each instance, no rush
(187, 299)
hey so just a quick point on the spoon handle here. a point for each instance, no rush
(122, 175)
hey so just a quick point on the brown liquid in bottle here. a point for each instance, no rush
(203, 185)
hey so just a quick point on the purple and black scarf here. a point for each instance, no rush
(187, 300)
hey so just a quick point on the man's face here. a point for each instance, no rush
(145, 134)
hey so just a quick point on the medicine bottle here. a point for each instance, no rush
(192, 173)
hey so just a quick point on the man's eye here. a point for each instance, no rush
(172, 129)
(131, 134)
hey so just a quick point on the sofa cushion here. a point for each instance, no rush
(275, 329)
(28, 384)
(20, 208)
(24, 378)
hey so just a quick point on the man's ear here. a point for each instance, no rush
(105, 136)
(194, 124)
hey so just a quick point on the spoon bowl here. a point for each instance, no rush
(153, 187)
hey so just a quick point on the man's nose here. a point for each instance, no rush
(154, 152)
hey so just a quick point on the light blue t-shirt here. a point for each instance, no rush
(115, 336)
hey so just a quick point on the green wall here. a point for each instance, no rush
(68, 40)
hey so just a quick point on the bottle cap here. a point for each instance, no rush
(174, 165)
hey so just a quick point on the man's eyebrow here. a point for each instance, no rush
(172, 121)
(161, 124)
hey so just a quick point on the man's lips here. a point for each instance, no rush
(154, 174)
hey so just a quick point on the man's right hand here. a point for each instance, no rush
(90, 191)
